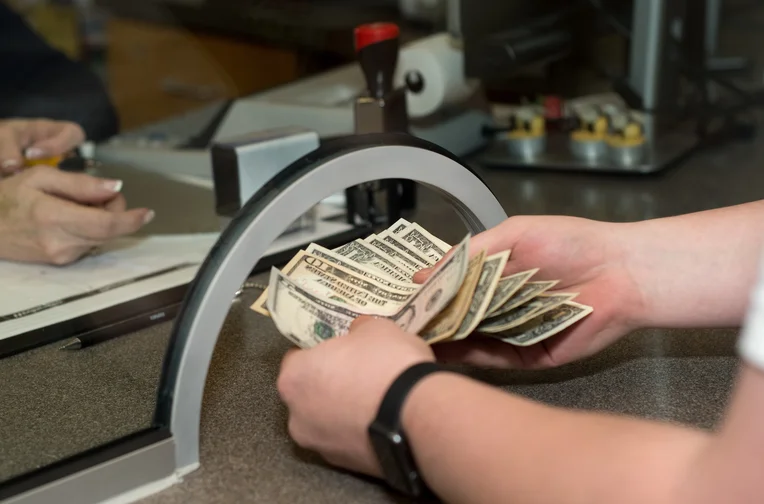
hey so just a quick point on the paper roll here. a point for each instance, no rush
(440, 63)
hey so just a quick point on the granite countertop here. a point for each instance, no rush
(58, 403)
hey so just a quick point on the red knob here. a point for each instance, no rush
(373, 33)
(553, 107)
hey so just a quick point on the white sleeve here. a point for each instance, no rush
(751, 343)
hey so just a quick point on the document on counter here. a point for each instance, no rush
(43, 300)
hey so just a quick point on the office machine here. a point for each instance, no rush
(149, 461)
(416, 88)
(647, 124)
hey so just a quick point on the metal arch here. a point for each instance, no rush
(268, 213)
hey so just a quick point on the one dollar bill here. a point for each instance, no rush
(422, 241)
(522, 314)
(547, 325)
(487, 284)
(447, 322)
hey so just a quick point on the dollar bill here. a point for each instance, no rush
(399, 226)
(437, 291)
(493, 266)
(303, 318)
(403, 247)
(371, 257)
(361, 270)
(400, 258)
(447, 322)
(323, 319)
(507, 288)
(544, 326)
(527, 292)
(332, 281)
(260, 304)
(426, 244)
(513, 318)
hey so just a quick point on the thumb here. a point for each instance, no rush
(361, 320)
(77, 187)
(52, 138)
(494, 240)
(421, 276)
(497, 239)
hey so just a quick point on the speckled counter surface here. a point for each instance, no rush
(55, 403)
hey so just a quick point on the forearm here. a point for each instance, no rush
(696, 269)
(475, 444)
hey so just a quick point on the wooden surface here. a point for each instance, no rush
(158, 71)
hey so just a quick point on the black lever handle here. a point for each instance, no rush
(377, 46)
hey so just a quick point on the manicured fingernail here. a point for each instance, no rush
(10, 163)
(113, 185)
(149, 217)
(34, 153)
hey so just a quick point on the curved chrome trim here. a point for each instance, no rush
(326, 171)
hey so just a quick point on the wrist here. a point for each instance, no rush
(423, 411)
(634, 312)
(387, 434)
(415, 412)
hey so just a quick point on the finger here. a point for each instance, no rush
(360, 321)
(484, 241)
(77, 187)
(99, 225)
(10, 150)
(502, 237)
(421, 276)
(494, 240)
(51, 138)
(116, 204)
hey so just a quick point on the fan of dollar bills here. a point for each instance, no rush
(320, 292)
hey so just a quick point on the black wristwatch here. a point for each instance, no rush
(387, 436)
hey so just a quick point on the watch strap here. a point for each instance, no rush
(390, 442)
(389, 413)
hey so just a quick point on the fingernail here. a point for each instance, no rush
(113, 185)
(34, 153)
(149, 217)
(10, 163)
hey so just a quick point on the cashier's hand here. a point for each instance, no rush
(51, 216)
(37, 138)
(587, 258)
(333, 390)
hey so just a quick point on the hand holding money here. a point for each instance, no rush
(372, 356)
(320, 292)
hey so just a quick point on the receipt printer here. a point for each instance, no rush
(241, 165)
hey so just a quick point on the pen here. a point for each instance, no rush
(113, 331)
(49, 161)
(77, 160)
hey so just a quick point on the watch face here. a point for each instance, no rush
(395, 459)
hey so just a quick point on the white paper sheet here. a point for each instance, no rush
(36, 296)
